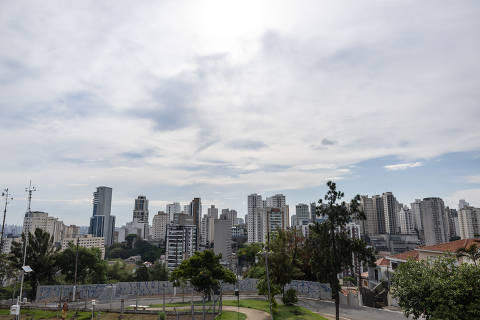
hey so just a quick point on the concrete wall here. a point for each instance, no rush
(105, 292)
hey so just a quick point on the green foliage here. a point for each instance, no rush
(161, 315)
(159, 272)
(6, 268)
(472, 253)
(40, 257)
(90, 268)
(255, 272)
(146, 250)
(248, 253)
(119, 272)
(290, 297)
(330, 245)
(262, 287)
(440, 289)
(204, 272)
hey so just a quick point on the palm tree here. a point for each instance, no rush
(472, 252)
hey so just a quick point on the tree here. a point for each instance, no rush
(330, 244)
(282, 260)
(472, 253)
(90, 267)
(119, 272)
(40, 257)
(248, 254)
(204, 272)
(159, 272)
(142, 273)
(438, 289)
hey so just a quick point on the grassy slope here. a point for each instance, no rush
(231, 315)
(281, 312)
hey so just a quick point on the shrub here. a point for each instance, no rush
(290, 297)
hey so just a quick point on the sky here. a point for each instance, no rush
(221, 99)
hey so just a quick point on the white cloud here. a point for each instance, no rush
(472, 196)
(473, 179)
(143, 95)
(402, 166)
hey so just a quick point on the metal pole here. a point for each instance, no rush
(164, 298)
(7, 197)
(75, 276)
(30, 190)
(268, 277)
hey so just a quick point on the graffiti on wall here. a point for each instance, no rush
(154, 288)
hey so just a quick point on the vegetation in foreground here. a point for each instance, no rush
(231, 315)
(438, 289)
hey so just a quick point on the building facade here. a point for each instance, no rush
(86, 241)
(102, 223)
(159, 225)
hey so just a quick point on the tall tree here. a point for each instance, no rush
(331, 246)
(40, 257)
(159, 272)
(472, 253)
(438, 289)
(204, 272)
(90, 267)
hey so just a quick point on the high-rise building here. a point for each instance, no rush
(229, 215)
(102, 224)
(276, 201)
(254, 201)
(302, 214)
(140, 211)
(406, 221)
(197, 212)
(462, 204)
(390, 208)
(379, 209)
(173, 208)
(40, 220)
(370, 225)
(71, 231)
(140, 214)
(268, 220)
(313, 211)
(223, 238)
(181, 244)
(435, 226)
(213, 212)
(452, 220)
(417, 215)
(159, 225)
(469, 222)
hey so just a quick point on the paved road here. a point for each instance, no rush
(362, 313)
(252, 314)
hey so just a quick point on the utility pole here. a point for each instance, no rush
(76, 266)
(30, 191)
(266, 269)
(8, 197)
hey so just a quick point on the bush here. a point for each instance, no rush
(290, 297)
(161, 316)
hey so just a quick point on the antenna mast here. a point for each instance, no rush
(8, 197)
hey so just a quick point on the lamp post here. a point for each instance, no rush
(75, 276)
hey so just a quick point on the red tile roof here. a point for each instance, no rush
(413, 254)
(452, 246)
(382, 262)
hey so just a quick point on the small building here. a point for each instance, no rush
(86, 241)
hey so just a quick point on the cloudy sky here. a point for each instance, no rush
(176, 99)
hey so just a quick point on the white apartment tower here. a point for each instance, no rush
(254, 201)
(276, 201)
(435, 226)
(173, 208)
(469, 222)
(159, 225)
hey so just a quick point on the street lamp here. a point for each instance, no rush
(16, 309)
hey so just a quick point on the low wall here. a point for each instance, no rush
(106, 292)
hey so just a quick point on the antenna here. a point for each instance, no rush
(8, 197)
(30, 190)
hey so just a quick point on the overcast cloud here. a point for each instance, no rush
(177, 99)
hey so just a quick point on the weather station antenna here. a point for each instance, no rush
(30, 190)
(8, 197)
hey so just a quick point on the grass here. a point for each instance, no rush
(231, 315)
(280, 312)
(43, 314)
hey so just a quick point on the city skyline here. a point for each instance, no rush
(177, 100)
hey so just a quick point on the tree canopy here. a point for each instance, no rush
(204, 272)
(438, 289)
(330, 244)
